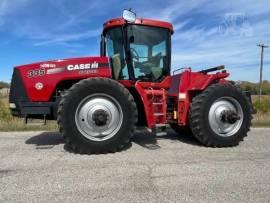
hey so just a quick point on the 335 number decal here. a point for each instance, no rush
(36, 73)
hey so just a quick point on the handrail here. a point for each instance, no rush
(180, 69)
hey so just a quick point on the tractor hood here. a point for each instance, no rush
(42, 78)
(64, 65)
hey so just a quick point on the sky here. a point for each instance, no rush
(207, 33)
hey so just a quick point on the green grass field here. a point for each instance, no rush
(9, 123)
(262, 117)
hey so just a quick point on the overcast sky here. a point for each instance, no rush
(207, 33)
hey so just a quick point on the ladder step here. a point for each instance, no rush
(154, 92)
(159, 125)
(161, 133)
(158, 114)
(159, 129)
(156, 103)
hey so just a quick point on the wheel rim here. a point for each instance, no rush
(99, 117)
(219, 123)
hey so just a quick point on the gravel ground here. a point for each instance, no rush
(34, 166)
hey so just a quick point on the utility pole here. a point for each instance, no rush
(261, 68)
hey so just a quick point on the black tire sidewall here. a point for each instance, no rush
(215, 94)
(103, 86)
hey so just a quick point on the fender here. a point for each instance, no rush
(188, 84)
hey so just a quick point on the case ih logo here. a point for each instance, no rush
(87, 68)
(82, 66)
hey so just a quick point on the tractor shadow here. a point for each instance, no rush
(47, 140)
(150, 141)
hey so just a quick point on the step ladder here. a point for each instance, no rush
(155, 105)
(158, 105)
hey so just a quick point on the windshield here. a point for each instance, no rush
(147, 49)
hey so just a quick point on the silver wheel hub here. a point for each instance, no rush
(99, 117)
(225, 116)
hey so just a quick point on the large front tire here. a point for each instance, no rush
(220, 116)
(97, 115)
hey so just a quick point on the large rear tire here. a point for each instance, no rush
(97, 115)
(220, 116)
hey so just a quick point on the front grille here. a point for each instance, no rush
(17, 88)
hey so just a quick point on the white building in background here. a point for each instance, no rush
(4, 92)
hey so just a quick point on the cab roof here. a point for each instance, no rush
(139, 21)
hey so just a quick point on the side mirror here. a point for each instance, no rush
(129, 16)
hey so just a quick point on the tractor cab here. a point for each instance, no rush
(139, 49)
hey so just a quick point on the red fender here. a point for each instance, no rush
(190, 83)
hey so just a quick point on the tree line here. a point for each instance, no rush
(254, 87)
(4, 85)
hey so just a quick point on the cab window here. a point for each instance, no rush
(115, 50)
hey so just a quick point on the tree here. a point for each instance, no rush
(4, 85)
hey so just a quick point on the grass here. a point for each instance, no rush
(262, 117)
(10, 123)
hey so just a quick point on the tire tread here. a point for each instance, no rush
(77, 147)
(195, 117)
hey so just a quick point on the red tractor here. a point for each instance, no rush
(99, 101)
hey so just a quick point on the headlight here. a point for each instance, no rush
(12, 106)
